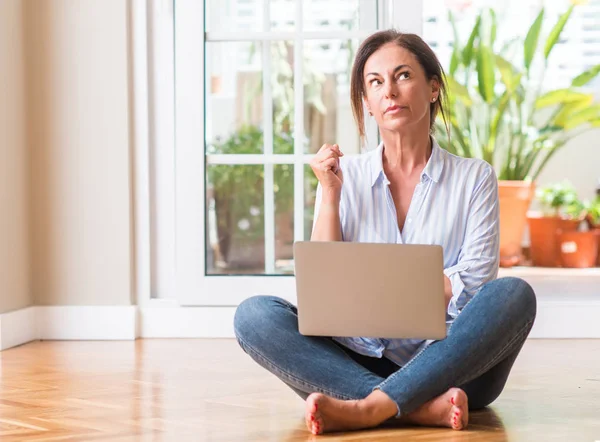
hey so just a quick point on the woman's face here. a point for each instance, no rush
(397, 92)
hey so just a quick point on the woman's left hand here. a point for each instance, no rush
(447, 291)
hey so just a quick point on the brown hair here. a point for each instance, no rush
(424, 54)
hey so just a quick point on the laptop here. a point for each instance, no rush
(370, 289)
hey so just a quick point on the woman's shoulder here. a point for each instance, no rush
(466, 165)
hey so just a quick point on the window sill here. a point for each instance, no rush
(559, 284)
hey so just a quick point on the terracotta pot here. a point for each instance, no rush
(514, 199)
(578, 249)
(597, 231)
(543, 232)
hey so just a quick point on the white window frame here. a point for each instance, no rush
(193, 287)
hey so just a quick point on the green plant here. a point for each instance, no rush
(593, 213)
(560, 198)
(499, 112)
(238, 189)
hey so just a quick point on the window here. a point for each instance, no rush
(260, 86)
(272, 98)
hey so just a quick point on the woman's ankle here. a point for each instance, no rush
(378, 407)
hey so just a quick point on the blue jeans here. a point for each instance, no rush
(480, 348)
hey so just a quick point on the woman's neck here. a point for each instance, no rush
(405, 152)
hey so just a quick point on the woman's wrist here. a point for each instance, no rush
(331, 197)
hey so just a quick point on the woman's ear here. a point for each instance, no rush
(435, 87)
(366, 103)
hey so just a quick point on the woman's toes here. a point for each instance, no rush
(316, 427)
(456, 417)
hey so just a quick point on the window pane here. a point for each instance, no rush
(234, 15)
(234, 98)
(234, 106)
(284, 217)
(283, 15)
(248, 15)
(327, 110)
(282, 91)
(235, 220)
(310, 191)
(339, 15)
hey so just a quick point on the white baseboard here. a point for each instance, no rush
(186, 322)
(86, 322)
(17, 327)
(555, 319)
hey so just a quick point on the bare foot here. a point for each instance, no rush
(450, 409)
(326, 414)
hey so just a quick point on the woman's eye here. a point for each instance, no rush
(375, 82)
(403, 75)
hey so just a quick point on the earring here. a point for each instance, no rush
(433, 99)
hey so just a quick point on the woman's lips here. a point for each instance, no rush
(394, 109)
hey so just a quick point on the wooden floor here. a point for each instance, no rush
(209, 390)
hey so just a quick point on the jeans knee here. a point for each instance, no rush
(252, 313)
(520, 295)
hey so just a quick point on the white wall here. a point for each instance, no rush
(14, 238)
(578, 162)
(79, 139)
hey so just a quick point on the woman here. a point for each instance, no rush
(408, 190)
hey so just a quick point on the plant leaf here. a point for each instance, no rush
(485, 73)
(556, 31)
(571, 108)
(500, 112)
(587, 115)
(509, 73)
(458, 91)
(559, 96)
(454, 61)
(494, 29)
(532, 38)
(585, 77)
(468, 49)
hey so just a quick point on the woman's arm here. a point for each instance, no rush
(326, 166)
(479, 255)
(328, 226)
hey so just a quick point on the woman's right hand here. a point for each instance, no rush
(326, 166)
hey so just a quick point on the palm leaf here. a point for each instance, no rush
(532, 38)
(485, 73)
(458, 91)
(585, 77)
(559, 96)
(467, 55)
(556, 31)
(585, 116)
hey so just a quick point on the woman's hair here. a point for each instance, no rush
(426, 57)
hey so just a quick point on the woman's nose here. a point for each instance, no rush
(390, 90)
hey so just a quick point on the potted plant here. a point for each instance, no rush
(238, 197)
(560, 212)
(593, 220)
(500, 113)
(577, 248)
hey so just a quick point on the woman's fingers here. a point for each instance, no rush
(329, 151)
(336, 148)
(329, 164)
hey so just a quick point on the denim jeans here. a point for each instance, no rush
(477, 354)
